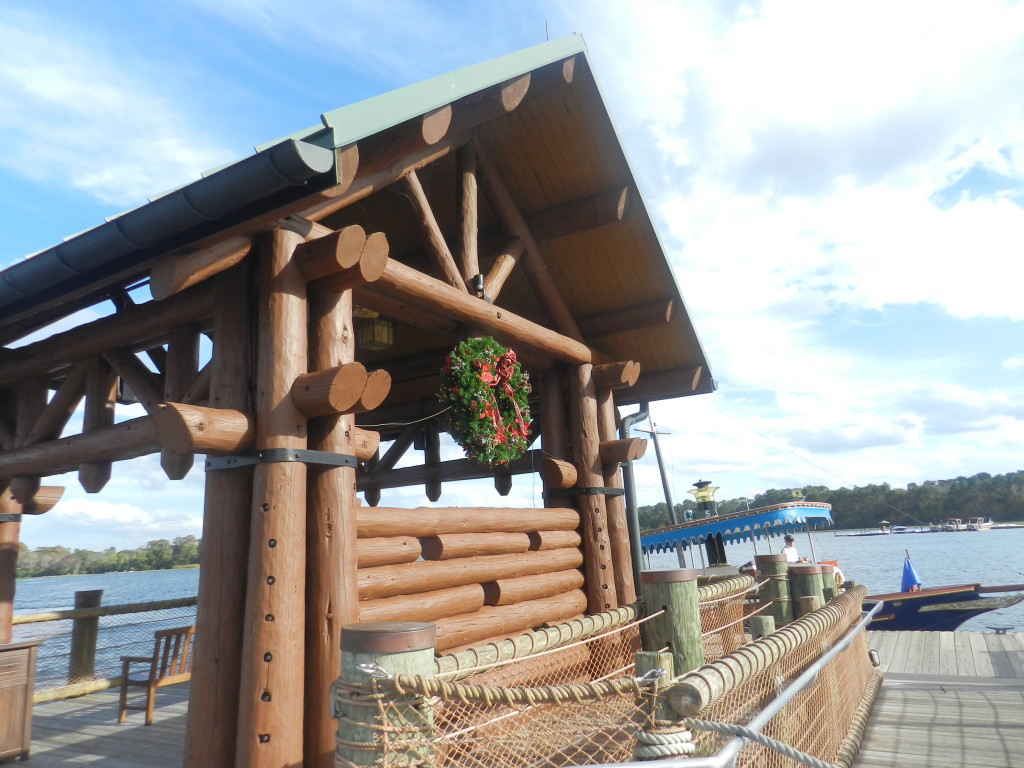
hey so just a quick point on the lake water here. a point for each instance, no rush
(991, 557)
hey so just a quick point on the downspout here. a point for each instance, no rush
(629, 485)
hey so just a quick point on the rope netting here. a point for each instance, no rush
(581, 704)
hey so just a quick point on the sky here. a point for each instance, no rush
(838, 185)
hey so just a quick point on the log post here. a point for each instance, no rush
(399, 648)
(84, 631)
(100, 393)
(182, 366)
(31, 404)
(761, 626)
(829, 588)
(675, 593)
(659, 713)
(773, 570)
(332, 599)
(269, 729)
(600, 567)
(554, 435)
(432, 457)
(9, 532)
(469, 259)
(212, 724)
(805, 581)
(612, 453)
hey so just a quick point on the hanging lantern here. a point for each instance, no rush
(375, 333)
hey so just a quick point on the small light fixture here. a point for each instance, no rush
(375, 333)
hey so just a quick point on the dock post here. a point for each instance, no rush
(761, 626)
(661, 736)
(84, 631)
(396, 648)
(829, 588)
(678, 627)
(774, 574)
(805, 581)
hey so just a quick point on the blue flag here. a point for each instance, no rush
(910, 577)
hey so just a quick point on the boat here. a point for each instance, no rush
(954, 524)
(937, 609)
(979, 524)
(912, 608)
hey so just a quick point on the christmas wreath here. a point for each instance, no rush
(487, 390)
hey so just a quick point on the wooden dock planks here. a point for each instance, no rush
(949, 698)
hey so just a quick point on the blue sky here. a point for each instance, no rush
(837, 184)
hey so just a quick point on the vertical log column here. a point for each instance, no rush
(271, 700)
(678, 627)
(331, 570)
(8, 562)
(598, 565)
(618, 524)
(182, 366)
(553, 429)
(100, 394)
(213, 709)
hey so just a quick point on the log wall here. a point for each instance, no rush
(481, 572)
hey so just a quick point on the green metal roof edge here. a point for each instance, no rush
(376, 114)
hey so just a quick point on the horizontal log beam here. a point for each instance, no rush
(46, 498)
(365, 443)
(428, 293)
(388, 550)
(449, 546)
(197, 429)
(541, 540)
(615, 375)
(128, 328)
(332, 253)
(587, 213)
(557, 473)
(375, 391)
(333, 391)
(660, 385)
(404, 312)
(620, 451)
(182, 269)
(443, 472)
(371, 264)
(428, 606)
(428, 575)
(629, 319)
(517, 590)
(127, 440)
(507, 619)
(435, 521)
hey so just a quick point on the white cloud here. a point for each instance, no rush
(76, 111)
(1014, 363)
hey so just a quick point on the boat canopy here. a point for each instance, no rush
(763, 522)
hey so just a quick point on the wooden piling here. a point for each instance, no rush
(678, 628)
(84, 631)
(805, 581)
(396, 648)
(774, 573)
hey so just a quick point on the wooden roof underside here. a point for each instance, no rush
(557, 153)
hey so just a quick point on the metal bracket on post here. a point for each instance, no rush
(324, 458)
(13, 517)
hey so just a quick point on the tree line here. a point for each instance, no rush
(159, 554)
(1000, 497)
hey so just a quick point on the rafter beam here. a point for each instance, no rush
(437, 248)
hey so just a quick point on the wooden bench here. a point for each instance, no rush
(170, 663)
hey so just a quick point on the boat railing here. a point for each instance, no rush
(81, 648)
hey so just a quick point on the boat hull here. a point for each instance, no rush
(939, 609)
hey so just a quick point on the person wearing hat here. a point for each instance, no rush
(790, 549)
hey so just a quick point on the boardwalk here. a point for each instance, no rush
(949, 698)
(85, 731)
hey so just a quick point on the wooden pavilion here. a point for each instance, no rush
(332, 272)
